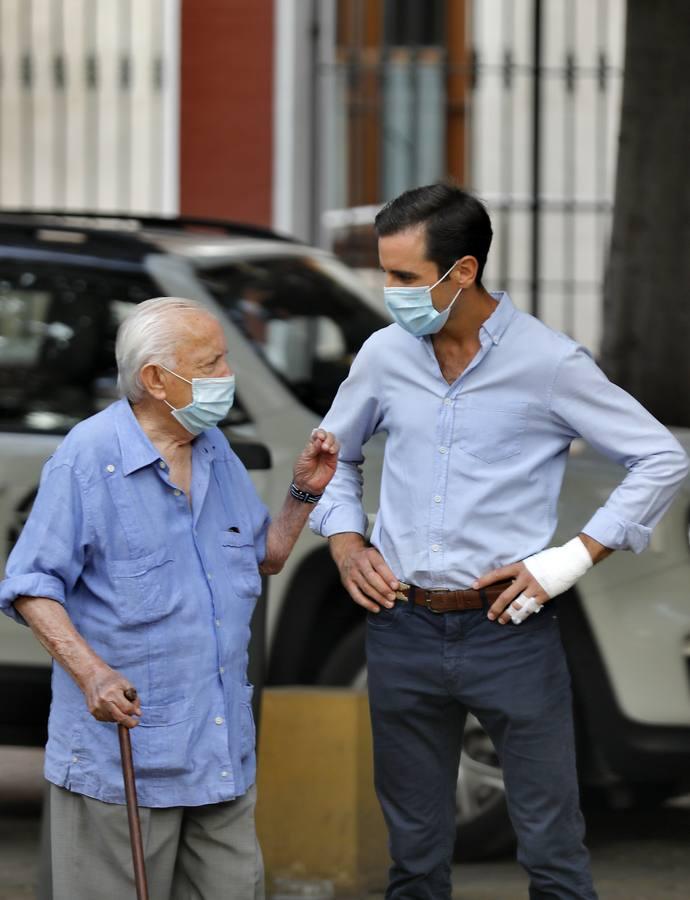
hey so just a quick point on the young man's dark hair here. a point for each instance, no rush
(457, 224)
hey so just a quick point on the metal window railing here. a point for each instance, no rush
(541, 115)
(87, 104)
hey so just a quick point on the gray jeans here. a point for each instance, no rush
(192, 853)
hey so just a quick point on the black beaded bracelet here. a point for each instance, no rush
(303, 496)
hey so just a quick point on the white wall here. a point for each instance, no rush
(109, 144)
(580, 133)
(579, 145)
(304, 37)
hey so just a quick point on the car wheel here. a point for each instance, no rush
(483, 829)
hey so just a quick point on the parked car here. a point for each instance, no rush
(294, 318)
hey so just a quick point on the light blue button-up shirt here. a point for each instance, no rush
(472, 470)
(164, 593)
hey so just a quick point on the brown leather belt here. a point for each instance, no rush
(450, 601)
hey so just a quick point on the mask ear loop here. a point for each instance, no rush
(181, 377)
(439, 281)
(450, 305)
(460, 290)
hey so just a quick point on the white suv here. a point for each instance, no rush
(294, 318)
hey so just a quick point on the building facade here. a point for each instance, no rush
(307, 115)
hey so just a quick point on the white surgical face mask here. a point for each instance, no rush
(412, 309)
(212, 399)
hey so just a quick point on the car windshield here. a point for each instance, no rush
(305, 316)
(57, 340)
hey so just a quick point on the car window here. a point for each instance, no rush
(57, 341)
(302, 319)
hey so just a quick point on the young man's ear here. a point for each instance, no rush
(465, 272)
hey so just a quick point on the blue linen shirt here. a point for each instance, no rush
(472, 470)
(164, 593)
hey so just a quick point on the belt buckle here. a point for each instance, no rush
(427, 602)
(401, 594)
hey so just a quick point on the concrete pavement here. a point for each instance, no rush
(636, 855)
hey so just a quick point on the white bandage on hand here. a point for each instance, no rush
(556, 569)
(528, 606)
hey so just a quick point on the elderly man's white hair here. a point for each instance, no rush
(149, 335)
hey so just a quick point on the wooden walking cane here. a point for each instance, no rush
(132, 808)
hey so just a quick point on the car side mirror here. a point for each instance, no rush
(252, 454)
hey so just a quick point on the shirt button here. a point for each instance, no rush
(209, 576)
(75, 759)
(217, 623)
(176, 492)
(437, 498)
(447, 401)
(162, 464)
(441, 449)
(222, 670)
(110, 468)
(218, 720)
(224, 774)
(435, 548)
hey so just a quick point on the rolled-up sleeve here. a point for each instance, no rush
(354, 416)
(619, 427)
(48, 557)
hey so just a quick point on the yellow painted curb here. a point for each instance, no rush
(317, 814)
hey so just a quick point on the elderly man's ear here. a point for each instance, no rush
(152, 378)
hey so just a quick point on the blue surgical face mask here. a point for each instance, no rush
(412, 309)
(212, 399)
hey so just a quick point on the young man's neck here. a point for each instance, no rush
(472, 308)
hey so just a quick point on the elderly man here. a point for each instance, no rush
(140, 566)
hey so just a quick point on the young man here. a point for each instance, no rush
(480, 403)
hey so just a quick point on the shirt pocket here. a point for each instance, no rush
(491, 432)
(164, 741)
(239, 555)
(143, 586)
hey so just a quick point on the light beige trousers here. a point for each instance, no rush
(192, 853)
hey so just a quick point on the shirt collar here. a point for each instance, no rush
(497, 323)
(137, 451)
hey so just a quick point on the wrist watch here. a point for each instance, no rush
(303, 496)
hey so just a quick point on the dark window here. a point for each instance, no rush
(414, 23)
(399, 91)
(301, 316)
(57, 341)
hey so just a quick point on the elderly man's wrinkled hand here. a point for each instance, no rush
(316, 464)
(105, 698)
